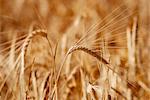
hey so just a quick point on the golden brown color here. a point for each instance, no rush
(74, 49)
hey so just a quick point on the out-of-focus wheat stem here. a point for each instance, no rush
(131, 42)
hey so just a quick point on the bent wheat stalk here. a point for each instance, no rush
(86, 50)
(42, 33)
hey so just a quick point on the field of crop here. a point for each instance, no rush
(74, 49)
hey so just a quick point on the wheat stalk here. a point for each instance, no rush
(86, 50)
(42, 33)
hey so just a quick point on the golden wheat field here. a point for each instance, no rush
(74, 49)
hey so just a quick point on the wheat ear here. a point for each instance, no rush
(94, 54)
